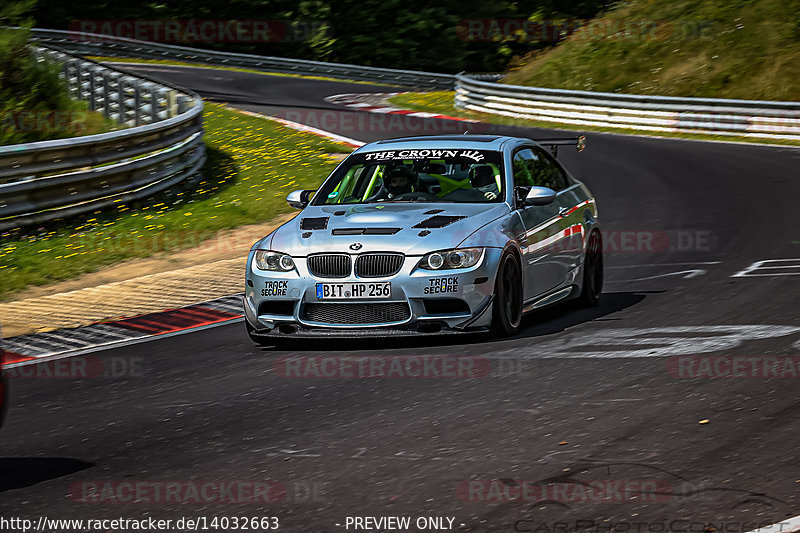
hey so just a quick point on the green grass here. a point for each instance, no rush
(252, 164)
(442, 102)
(233, 69)
(747, 49)
(34, 101)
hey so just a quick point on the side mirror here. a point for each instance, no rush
(298, 199)
(540, 196)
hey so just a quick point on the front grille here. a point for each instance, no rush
(329, 265)
(360, 313)
(378, 265)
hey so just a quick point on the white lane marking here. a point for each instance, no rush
(302, 127)
(647, 342)
(769, 264)
(790, 525)
(669, 264)
(688, 274)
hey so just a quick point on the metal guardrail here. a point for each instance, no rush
(745, 118)
(106, 45)
(161, 145)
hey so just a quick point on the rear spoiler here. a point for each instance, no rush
(579, 143)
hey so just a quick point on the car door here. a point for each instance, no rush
(570, 218)
(541, 230)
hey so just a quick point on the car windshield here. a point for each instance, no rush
(435, 175)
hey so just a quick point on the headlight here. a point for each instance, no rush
(446, 259)
(274, 261)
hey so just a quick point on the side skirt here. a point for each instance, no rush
(549, 299)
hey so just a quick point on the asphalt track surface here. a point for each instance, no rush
(578, 396)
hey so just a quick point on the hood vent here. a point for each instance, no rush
(438, 221)
(314, 223)
(365, 231)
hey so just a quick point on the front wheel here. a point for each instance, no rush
(507, 308)
(592, 272)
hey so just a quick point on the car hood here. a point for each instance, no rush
(413, 229)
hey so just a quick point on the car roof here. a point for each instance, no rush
(475, 142)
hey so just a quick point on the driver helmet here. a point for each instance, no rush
(400, 180)
(481, 176)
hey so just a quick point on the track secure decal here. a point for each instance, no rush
(441, 285)
(275, 288)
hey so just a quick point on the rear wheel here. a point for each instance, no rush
(592, 271)
(507, 308)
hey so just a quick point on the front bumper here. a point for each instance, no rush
(421, 302)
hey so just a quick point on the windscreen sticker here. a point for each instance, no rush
(394, 155)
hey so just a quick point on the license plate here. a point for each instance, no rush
(353, 291)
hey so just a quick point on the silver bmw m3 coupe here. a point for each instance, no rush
(428, 235)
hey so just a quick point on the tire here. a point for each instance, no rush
(507, 306)
(592, 272)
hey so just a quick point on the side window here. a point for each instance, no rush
(524, 169)
(547, 171)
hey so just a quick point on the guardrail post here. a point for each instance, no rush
(76, 92)
(172, 105)
(92, 95)
(122, 115)
(106, 95)
(153, 104)
(137, 103)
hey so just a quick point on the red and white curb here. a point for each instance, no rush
(355, 143)
(33, 348)
(377, 103)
